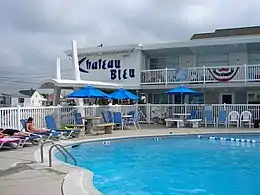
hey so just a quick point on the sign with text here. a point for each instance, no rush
(119, 69)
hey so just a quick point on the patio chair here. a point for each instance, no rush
(104, 117)
(233, 117)
(209, 119)
(132, 113)
(245, 117)
(51, 124)
(193, 114)
(222, 118)
(135, 120)
(10, 141)
(48, 135)
(33, 138)
(110, 117)
(193, 120)
(117, 116)
(78, 121)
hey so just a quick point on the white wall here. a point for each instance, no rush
(15, 102)
(102, 68)
(36, 99)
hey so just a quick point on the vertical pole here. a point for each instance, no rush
(204, 75)
(166, 76)
(58, 72)
(18, 126)
(77, 72)
(75, 60)
(245, 69)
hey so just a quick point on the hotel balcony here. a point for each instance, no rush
(241, 75)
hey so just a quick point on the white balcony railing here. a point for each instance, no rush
(202, 75)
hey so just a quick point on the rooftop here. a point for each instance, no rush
(229, 32)
(220, 37)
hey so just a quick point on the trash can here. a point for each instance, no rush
(256, 123)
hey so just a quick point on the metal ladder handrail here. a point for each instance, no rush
(49, 141)
(64, 149)
(58, 147)
(41, 148)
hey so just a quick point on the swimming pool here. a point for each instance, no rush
(172, 165)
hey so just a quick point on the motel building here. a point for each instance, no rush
(223, 65)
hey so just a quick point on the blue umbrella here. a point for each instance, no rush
(182, 91)
(123, 94)
(88, 92)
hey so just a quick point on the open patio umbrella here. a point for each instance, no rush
(182, 91)
(88, 92)
(123, 94)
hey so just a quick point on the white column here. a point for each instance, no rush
(58, 72)
(75, 60)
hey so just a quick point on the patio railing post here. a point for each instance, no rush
(58, 115)
(166, 76)
(245, 72)
(148, 113)
(185, 108)
(18, 126)
(94, 110)
(204, 75)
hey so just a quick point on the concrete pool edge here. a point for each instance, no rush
(83, 178)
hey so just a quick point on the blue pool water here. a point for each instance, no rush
(172, 166)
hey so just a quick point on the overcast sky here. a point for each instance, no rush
(34, 32)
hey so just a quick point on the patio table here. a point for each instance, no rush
(183, 117)
(125, 118)
(89, 124)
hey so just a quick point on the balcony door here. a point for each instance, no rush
(226, 98)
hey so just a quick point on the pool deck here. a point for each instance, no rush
(20, 173)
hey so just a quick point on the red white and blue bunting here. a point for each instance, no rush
(223, 74)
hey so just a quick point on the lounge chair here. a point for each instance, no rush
(10, 141)
(47, 135)
(193, 114)
(245, 117)
(110, 117)
(209, 119)
(193, 119)
(67, 133)
(233, 117)
(135, 120)
(222, 118)
(117, 116)
(104, 117)
(33, 138)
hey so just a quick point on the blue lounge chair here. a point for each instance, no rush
(110, 117)
(209, 119)
(48, 135)
(50, 122)
(193, 114)
(117, 116)
(135, 120)
(78, 121)
(104, 117)
(222, 118)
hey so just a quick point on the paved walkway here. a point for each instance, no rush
(20, 174)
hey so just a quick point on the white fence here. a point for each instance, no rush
(10, 117)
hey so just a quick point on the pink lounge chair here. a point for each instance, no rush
(9, 140)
